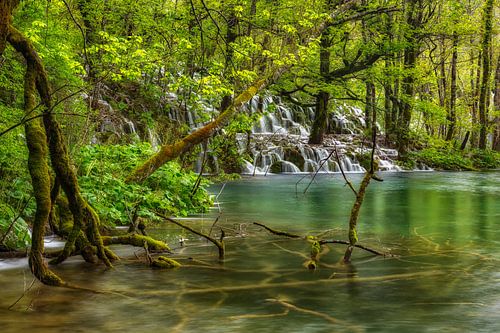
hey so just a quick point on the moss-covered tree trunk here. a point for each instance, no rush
(40, 180)
(353, 220)
(486, 72)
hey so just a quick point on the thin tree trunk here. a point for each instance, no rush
(496, 139)
(370, 106)
(475, 99)
(452, 117)
(231, 35)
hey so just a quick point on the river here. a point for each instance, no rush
(442, 228)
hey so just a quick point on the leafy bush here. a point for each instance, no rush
(442, 158)
(485, 159)
(169, 190)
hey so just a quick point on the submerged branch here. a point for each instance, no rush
(290, 284)
(366, 248)
(277, 232)
(218, 243)
(324, 316)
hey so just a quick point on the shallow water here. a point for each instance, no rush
(444, 227)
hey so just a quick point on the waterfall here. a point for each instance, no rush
(279, 140)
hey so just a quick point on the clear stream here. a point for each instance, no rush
(444, 227)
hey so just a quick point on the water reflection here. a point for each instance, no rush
(443, 225)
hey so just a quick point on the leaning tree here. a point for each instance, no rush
(45, 140)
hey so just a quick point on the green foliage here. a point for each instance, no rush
(442, 155)
(485, 159)
(169, 190)
(14, 233)
(442, 158)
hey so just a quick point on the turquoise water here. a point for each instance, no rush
(443, 227)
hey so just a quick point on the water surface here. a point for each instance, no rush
(444, 227)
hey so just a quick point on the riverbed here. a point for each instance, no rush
(440, 229)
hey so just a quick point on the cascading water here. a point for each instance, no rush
(279, 140)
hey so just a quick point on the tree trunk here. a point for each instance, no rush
(414, 21)
(475, 81)
(452, 117)
(496, 138)
(83, 214)
(40, 180)
(320, 124)
(231, 35)
(370, 106)
(486, 72)
(410, 61)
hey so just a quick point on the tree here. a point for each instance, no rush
(486, 71)
(418, 13)
(496, 103)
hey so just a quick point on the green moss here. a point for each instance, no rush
(315, 249)
(136, 240)
(165, 263)
(353, 236)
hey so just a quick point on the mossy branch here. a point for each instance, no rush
(170, 152)
(136, 240)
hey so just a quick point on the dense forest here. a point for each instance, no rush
(113, 111)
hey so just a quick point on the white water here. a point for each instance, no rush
(279, 140)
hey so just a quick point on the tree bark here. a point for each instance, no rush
(231, 35)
